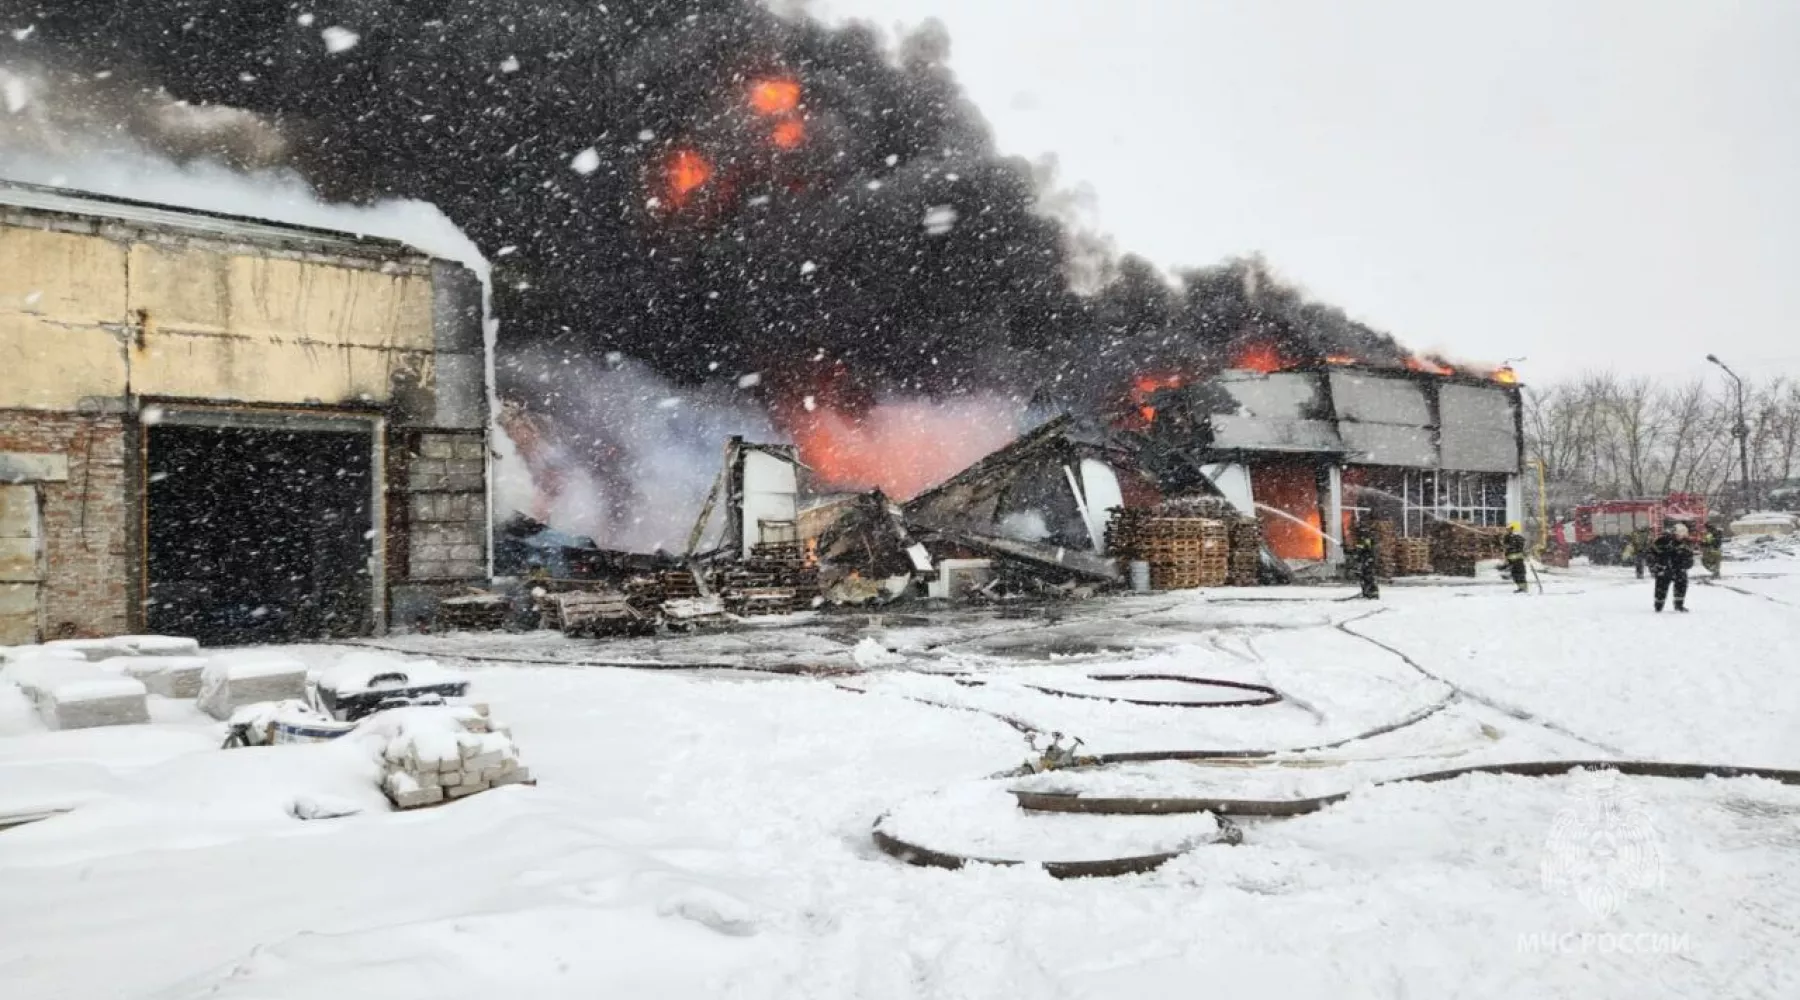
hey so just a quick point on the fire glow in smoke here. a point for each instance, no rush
(901, 447)
(774, 97)
(687, 172)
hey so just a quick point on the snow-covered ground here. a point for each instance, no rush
(704, 831)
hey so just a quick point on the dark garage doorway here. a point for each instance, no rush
(259, 533)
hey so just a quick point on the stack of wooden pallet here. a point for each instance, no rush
(1246, 554)
(474, 612)
(592, 612)
(1414, 556)
(679, 584)
(1457, 546)
(1387, 554)
(1215, 508)
(1183, 552)
(788, 564)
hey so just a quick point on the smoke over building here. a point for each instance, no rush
(790, 211)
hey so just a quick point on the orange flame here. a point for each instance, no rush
(1340, 359)
(775, 96)
(1293, 488)
(1144, 386)
(1261, 357)
(1506, 376)
(687, 172)
(789, 134)
(1429, 366)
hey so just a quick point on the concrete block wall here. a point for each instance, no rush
(77, 465)
(438, 514)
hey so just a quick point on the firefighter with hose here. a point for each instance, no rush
(1513, 545)
(1671, 556)
(1362, 560)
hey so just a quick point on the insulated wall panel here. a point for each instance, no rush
(1479, 430)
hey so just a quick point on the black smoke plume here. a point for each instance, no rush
(891, 244)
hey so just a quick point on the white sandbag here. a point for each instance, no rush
(230, 681)
(168, 676)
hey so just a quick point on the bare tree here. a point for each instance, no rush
(1608, 437)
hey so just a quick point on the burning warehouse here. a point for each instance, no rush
(1312, 451)
(230, 429)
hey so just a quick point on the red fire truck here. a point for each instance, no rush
(1601, 530)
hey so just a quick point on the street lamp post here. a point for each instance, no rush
(1741, 431)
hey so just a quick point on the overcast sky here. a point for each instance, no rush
(1585, 183)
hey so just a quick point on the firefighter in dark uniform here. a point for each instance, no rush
(1712, 549)
(1514, 547)
(1671, 556)
(1637, 549)
(1362, 560)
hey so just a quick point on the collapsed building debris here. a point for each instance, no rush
(1246, 478)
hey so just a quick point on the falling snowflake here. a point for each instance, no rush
(808, 268)
(646, 135)
(749, 381)
(940, 219)
(339, 39)
(585, 162)
(305, 20)
(509, 65)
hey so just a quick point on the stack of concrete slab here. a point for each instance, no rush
(127, 645)
(230, 681)
(75, 694)
(168, 676)
(434, 755)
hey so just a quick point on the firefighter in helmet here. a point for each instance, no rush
(1362, 560)
(1712, 549)
(1637, 549)
(1671, 556)
(1513, 545)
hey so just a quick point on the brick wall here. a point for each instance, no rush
(86, 517)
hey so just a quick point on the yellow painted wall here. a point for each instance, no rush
(86, 315)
